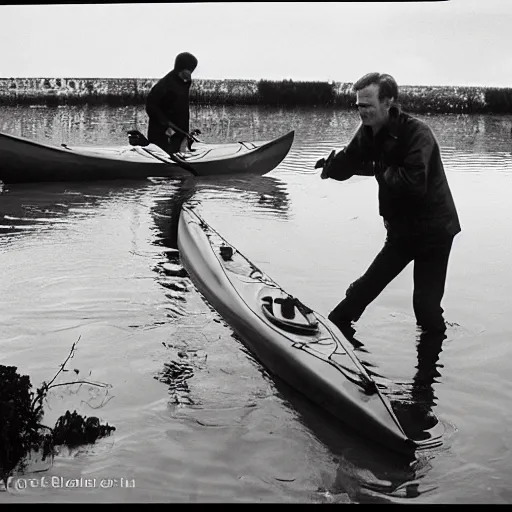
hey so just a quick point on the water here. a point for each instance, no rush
(85, 262)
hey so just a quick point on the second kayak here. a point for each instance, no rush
(290, 340)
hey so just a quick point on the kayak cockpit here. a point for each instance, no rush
(287, 312)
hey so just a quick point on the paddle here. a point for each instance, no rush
(136, 138)
(183, 164)
(189, 135)
(174, 158)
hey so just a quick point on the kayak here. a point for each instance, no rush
(293, 342)
(25, 161)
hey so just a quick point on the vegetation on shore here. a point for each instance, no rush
(421, 99)
(22, 433)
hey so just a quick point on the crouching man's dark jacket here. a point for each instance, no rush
(168, 100)
(404, 157)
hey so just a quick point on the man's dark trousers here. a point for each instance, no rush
(430, 253)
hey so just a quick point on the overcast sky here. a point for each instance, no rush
(455, 42)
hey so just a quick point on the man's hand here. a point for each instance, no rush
(171, 130)
(378, 168)
(193, 133)
(325, 164)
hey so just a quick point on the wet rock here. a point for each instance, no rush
(173, 284)
(175, 374)
(172, 269)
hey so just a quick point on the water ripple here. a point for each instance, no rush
(464, 161)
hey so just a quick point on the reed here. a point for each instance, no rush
(421, 99)
(288, 92)
(224, 92)
(344, 97)
(499, 100)
(467, 100)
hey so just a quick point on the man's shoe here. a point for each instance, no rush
(342, 324)
(345, 326)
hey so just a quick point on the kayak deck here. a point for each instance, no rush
(153, 153)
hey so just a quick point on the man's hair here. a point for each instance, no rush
(185, 60)
(388, 87)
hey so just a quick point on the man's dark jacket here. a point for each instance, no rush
(168, 100)
(404, 157)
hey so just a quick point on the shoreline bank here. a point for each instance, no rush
(133, 91)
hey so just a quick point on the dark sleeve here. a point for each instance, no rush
(410, 179)
(351, 160)
(154, 102)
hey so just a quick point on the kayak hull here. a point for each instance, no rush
(25, 161)
(318, 364)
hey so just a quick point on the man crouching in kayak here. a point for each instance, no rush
(415, 202)
(167, 106)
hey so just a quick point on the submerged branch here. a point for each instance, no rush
(21, 430)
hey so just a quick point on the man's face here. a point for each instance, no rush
(185, 75)
(373, 111)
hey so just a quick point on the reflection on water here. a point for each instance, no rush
(415, 406)
(264, 194)
(100, 125)
(38, 207)
(100, 261)
(87, 125)
(362, 468)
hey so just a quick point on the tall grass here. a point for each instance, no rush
(421, 99)
(443, 99)
(499, 100)
(293, 93)
(224, 92)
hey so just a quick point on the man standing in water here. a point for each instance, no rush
(415, 202)
(167, 106)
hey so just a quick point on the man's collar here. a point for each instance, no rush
(394, 121)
